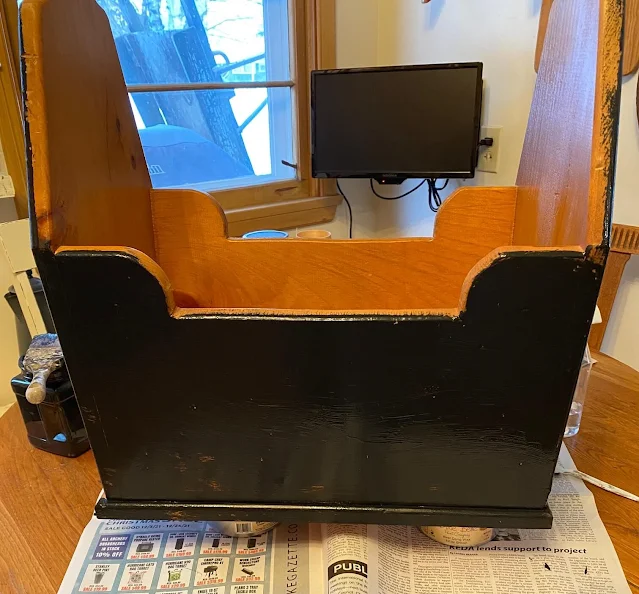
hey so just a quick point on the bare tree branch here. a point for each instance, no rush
(229, 20)
(151, 12)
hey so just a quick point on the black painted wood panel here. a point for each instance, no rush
(376, 413)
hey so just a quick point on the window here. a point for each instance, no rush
(256, 69)
(238, 130)
(220, 92)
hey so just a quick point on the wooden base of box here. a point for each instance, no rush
(347, 513)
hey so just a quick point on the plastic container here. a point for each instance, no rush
(265, 234)
(577, 406)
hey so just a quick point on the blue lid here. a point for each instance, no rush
(266, 234)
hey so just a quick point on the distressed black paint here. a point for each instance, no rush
(453, 421)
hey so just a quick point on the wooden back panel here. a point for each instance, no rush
(567, 165)
(326, 275)
(90, 180)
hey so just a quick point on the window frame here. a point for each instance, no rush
(11, 128)
(281, 204)
(304, 200)
(301, 200)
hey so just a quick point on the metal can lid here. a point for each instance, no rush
(459, 536)
(238, 528)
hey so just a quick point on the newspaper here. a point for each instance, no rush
(575, 557)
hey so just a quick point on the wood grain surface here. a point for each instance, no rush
(631, 38)
(349, 275)
(45, 500)
(564, 179)
(631, 35)
(612, 278)
(45, 503)
(625, 238)
(90, 178)
(623, 243)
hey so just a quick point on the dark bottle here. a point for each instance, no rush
(54, 425)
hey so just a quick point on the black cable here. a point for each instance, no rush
(350, 211)
(434, 199)
(419, 185)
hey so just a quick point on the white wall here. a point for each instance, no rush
(499, 33)
(386, 32)
(502, 34)
(622, 337)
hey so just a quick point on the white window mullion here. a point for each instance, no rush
(278, 65)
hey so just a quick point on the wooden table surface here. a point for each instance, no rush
(607, 447)
(46, 500)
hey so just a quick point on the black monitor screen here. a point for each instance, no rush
(399, 122)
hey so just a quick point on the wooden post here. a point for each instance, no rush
(625, 242)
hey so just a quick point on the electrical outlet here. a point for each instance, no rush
(489, 155)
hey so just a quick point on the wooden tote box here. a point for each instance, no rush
(420, 380)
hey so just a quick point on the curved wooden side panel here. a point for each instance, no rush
(208, 270)
(567, 166)
(141, 258)
(178, 312)
(90, 181)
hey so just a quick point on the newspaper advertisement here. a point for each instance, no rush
(575, 557)
(191, 558)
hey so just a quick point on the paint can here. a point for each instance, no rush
(241, 528)
(459, 537)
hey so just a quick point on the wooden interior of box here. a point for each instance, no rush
(92, 189)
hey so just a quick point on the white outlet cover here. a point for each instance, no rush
(488, 160)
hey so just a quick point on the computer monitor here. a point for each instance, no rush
(398, 122)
